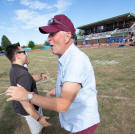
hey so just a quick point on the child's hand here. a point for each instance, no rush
(43, 121)
(52, 92)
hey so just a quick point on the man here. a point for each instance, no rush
(76, 95)
(20, 75)
(36, 77)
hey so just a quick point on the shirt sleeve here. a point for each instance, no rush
(25, 81)
(76, 71)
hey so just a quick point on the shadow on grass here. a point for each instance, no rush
(54, 120)
(4, 74)
(9, 121)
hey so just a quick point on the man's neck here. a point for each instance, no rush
(18, 63)
(67, 46)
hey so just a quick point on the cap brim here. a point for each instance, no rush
(48, 29)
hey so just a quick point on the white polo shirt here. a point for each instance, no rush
(75, 66)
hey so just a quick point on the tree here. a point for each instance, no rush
(5, 42)
(46, 43)
(1, 50)
(75, 38)
(81, 32)
(31, 44)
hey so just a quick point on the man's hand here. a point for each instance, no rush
(17, 93)
(43, 121)
(52, 92)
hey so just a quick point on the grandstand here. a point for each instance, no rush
(113, 30)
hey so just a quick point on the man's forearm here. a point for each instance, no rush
(51, 103)
(30, 109)
(36, 77)
(60, 104)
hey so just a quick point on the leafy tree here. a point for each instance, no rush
(24, 46)
(46, 43)
(75, 38)
(1, 50)
(81, 32)
(5, 42)
(31, 44)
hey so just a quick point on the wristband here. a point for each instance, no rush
(39, 118)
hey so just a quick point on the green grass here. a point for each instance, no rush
(114, 80)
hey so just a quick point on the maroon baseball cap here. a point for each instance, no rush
(58, 23)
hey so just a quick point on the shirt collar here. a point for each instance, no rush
(66, 54)
(19, 66)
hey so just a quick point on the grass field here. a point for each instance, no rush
(115, 77)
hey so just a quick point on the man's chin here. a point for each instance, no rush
(52, 51)
(55, 53)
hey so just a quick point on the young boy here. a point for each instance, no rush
(20, 75)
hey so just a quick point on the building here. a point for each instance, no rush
(108, 31)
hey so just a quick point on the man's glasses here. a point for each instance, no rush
(53, 20)
(21, 52)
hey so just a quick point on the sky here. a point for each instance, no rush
(20, 19)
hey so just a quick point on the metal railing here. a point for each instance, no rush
(103, 34)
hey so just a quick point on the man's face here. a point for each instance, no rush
(21, 55)
(57, 42)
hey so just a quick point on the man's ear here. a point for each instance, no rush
(68, 37)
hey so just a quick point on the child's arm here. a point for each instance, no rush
(31, 111)
(41, 76)
(25, 81)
